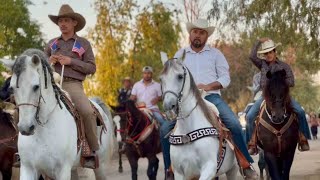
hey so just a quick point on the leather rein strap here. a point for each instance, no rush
(278, 133)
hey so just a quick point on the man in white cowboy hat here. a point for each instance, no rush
(210, 71)
(76, 55)
(273, 64)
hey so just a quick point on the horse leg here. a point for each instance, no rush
(287, 163)
(153, 167)
(261, 163)
(272, 163)
(208, 171)
(120, 169)
(64, 174)
(133, 161)
(178, 176)
(27, 173)
(232, 173)
(101, 172)
(6, 175)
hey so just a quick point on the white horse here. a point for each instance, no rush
(194, 154)
(48, 134)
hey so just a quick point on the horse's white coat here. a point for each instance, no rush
(200, 157)
(50, 148)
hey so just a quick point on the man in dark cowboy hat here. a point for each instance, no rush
(75, 54)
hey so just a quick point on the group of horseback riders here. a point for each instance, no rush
(207, 65)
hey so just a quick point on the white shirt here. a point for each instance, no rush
(207, 66)
(146, 93)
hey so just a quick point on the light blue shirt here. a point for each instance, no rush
(207, 66)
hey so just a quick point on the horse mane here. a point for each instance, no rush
(277, 82)
(5, 119)
(20, 65)
(194, 89)
(135, 112)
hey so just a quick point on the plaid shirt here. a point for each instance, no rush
(265, 67)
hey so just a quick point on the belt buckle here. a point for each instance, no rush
(185, 139)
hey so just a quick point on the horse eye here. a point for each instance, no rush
(180, 76)
(35, 87)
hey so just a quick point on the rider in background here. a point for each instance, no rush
(148, 92)
(273, 64)
(210, 71)
(124, 93)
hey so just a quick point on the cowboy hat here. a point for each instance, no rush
(200, 24)
(67, 11)
(268, 46)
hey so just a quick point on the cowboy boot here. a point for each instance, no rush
(246, 168)
(169, 175)
(303, 144)
(91, 161)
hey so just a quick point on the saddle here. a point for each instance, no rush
(82, 141)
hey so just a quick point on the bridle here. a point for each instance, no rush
(179, 96)
(270, 117)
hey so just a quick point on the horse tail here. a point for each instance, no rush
(109, 125)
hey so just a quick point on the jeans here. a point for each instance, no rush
(253, 113)
(231, 122)
(165, 128)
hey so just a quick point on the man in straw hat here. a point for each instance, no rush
(210, 71)
(273, 64)
(73, 57)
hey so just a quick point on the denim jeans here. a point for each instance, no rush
(253, 113)
(231, 122)
(165, 128)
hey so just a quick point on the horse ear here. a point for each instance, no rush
(35, 60)
(8, 64)
(269, 75)
(164, 57)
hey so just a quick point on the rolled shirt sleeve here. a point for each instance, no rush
(254, 57)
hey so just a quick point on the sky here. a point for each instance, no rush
(40, 10)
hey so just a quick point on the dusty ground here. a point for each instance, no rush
(306, 166)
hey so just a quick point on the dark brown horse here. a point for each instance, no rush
(135, 126)
(8, 144)
(278, 127)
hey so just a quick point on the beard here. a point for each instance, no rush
(197, 43)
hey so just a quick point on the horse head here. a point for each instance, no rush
(28, 83)
(276, 94)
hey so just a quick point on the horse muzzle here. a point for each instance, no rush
(26, 131)
(170, 106)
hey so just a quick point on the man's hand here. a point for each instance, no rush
(263, 39)
(53, 59)
(64, 60)
(202, 86)
(155, 101)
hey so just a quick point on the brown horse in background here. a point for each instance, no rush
(136, 123)
(8, 144)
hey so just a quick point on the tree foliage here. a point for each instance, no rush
(126, 39)
(17, 31)
(295, 24)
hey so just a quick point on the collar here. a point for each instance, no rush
(149, 84)
(190, 50)
(74, 37)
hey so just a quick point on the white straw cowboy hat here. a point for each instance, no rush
(200, 24)
(268, 46)
(67, 11)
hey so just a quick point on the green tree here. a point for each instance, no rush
(293, 23)
(125, 42)
(17, 31)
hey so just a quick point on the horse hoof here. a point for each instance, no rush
(120, 169)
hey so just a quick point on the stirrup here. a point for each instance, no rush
(16, 160)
